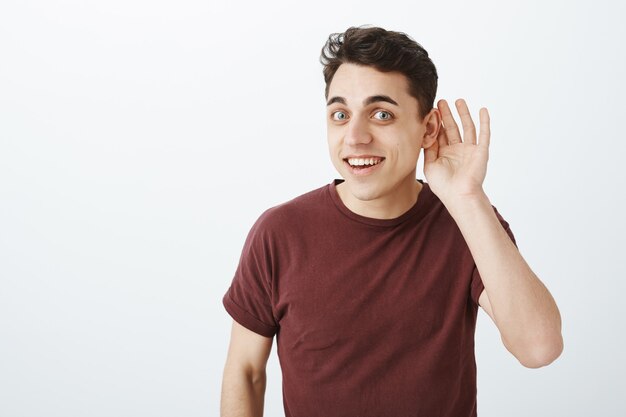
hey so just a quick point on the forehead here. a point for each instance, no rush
(356, 82)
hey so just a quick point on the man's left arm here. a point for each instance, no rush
(521, 306)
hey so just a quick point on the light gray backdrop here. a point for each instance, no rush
(139, 141)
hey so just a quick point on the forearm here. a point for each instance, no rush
(524, 310)
(243, 395)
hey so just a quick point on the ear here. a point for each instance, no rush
(432, 121)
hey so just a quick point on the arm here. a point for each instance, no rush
(520, 305)
(244, 380)
(517, 301)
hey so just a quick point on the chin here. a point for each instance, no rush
(363, 191)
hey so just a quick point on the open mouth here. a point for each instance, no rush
(363, 162)
(362, 166)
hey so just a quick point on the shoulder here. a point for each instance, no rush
(291, 212)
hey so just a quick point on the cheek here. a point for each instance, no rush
(334, 148)
(406, 152)
(331, 139)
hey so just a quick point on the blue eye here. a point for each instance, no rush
(339, 112)
(389, 115)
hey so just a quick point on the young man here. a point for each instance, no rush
(372, 283)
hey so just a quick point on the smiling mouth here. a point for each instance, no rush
(362, 163)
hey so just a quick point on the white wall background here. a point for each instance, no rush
(139, 141)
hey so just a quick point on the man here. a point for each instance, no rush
(372, 283)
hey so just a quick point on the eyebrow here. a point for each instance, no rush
(366, 102)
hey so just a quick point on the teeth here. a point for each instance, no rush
(363, 161)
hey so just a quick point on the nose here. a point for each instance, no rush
(357, 132)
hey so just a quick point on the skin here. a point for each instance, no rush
(394, 132)
(455, 168)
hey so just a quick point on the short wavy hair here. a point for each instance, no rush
(386, 51)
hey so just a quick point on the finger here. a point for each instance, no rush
(450, 127)
(484, 136)
(442, 139)
(469, 129)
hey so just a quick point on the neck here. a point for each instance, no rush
(389, 206)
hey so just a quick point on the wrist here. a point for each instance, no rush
(467, 203)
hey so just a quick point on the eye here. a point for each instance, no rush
(387, 115)
(341, 115)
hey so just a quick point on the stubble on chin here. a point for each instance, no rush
(358, 192)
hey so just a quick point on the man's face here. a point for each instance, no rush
(363, 128)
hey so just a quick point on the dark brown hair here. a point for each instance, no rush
(386, 51)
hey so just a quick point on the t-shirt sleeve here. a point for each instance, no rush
(248, 300)
(477, 285)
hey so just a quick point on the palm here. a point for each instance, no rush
(455, 168)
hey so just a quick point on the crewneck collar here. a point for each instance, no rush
(418, 209)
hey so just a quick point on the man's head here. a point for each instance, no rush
(380, 91)
(386, 51)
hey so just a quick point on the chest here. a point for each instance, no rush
(351, 286)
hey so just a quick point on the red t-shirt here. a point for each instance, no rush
(373, 317)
